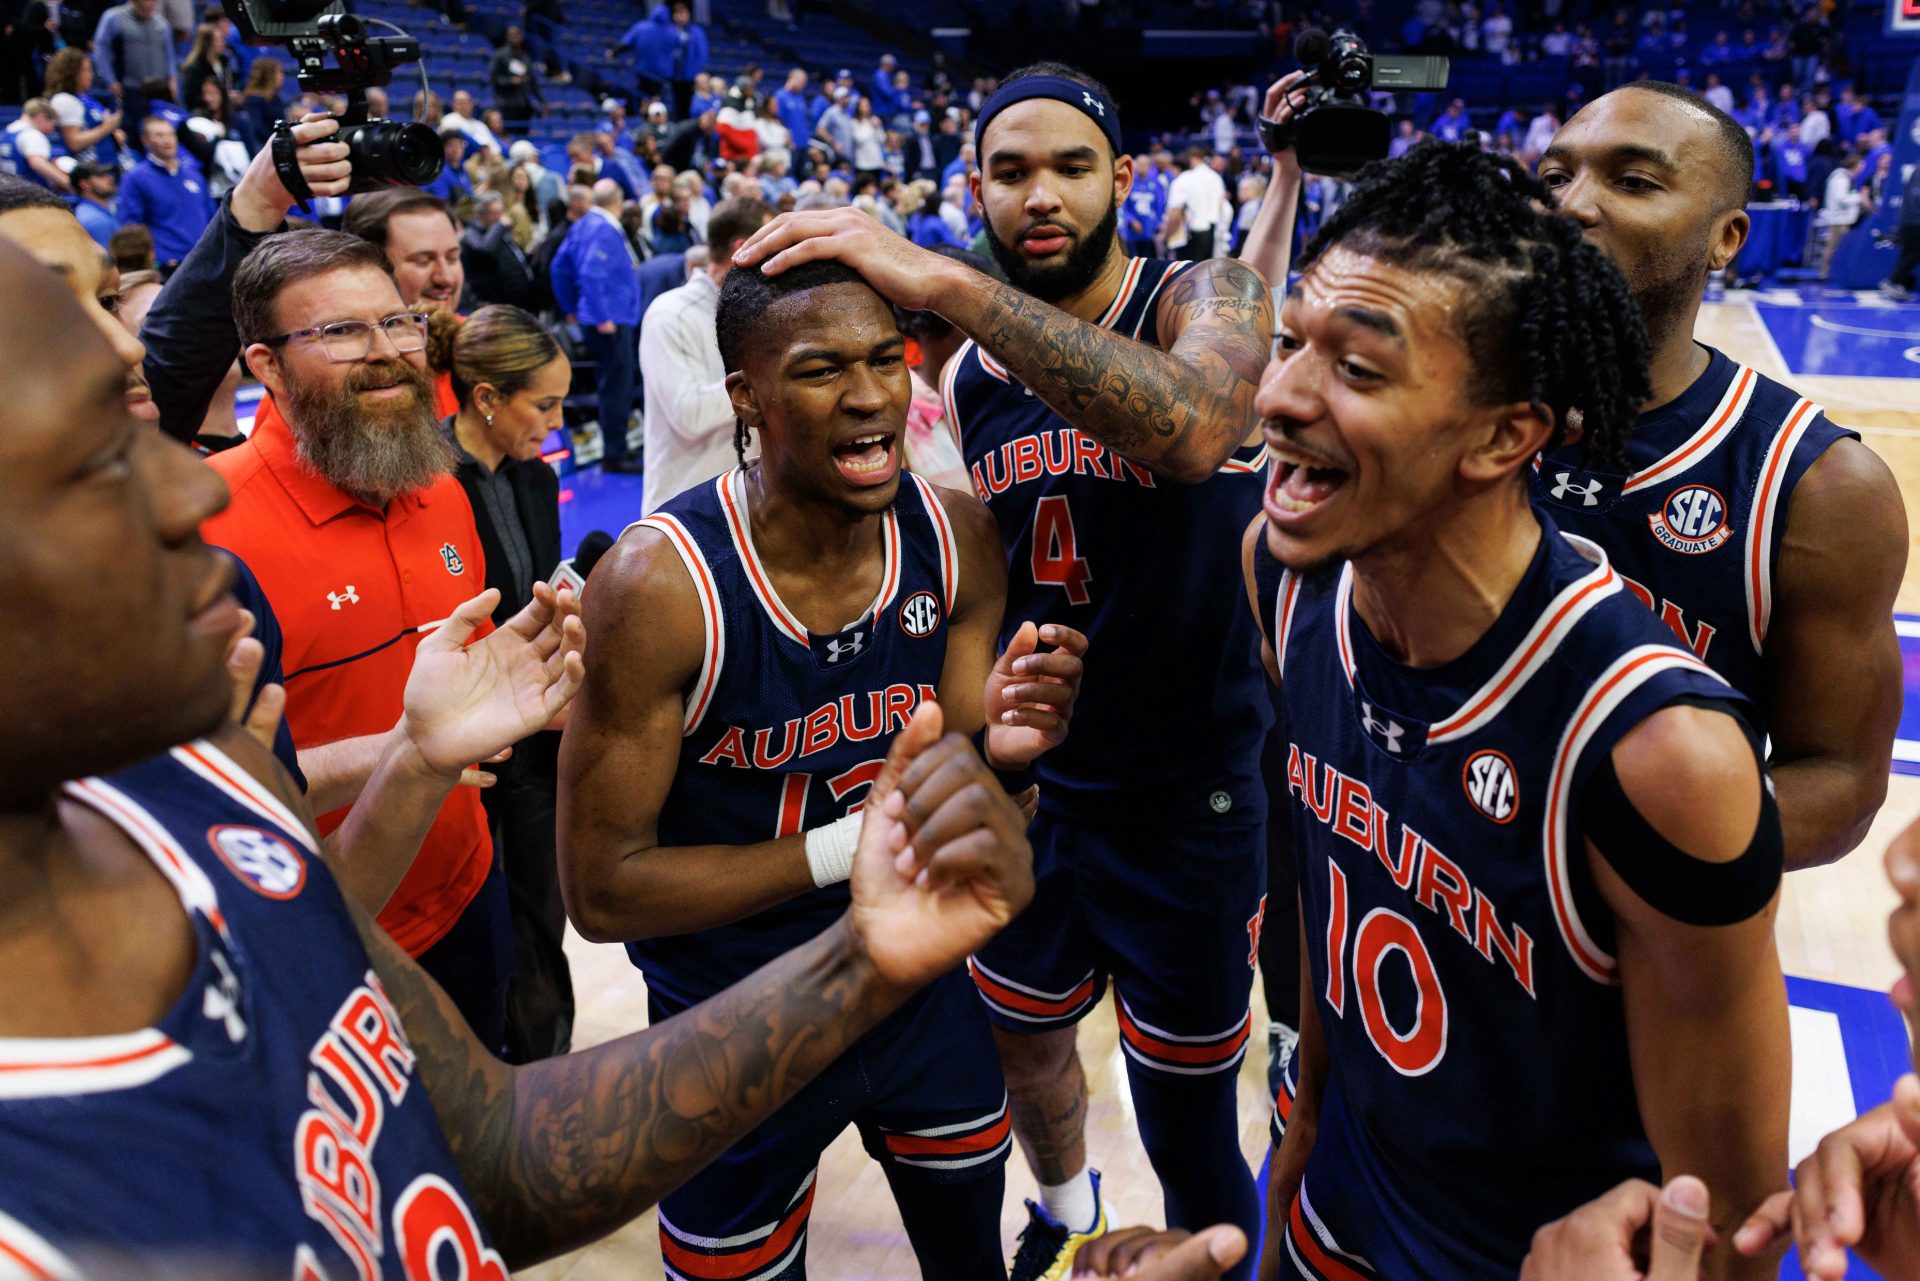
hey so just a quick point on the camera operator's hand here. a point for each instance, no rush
(260, 201)
(1277, 115)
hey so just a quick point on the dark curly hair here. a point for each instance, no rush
(1548, 318)
(747, 300)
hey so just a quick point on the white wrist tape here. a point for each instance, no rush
(830, 850)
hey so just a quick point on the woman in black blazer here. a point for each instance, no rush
(511, 377)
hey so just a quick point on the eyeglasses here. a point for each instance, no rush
(350, 340)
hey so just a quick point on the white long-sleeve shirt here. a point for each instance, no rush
(689, 428)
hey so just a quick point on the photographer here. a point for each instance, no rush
(189, 333)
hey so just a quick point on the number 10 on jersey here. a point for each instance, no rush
(1056, 558)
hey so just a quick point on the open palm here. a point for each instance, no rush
(468, 702)
(943, 862)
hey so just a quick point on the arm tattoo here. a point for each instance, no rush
(1183, 410)
(558, 1153)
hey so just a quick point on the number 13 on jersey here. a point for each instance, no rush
(1056, 558)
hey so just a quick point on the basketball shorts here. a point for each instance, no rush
(1171, 915)
(925, 1090)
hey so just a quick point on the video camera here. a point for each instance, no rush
(1339, 130)
(383, 153)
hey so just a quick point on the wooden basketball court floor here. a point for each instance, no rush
(1832, 926)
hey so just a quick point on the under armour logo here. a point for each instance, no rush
(837, 650)
(1589, 493)
(1386, 730)
(1094, 103)
(348, 597)
(222, 1002)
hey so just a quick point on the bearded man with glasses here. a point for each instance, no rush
(349, 515)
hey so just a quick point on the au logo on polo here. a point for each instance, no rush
(451, 556)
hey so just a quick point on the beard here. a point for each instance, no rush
(374, 453)
(1052, 281)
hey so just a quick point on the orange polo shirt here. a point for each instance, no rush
(444, 403)
(353, 587)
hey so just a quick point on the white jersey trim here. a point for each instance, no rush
(732, 488)
(1555, 623)
(233, 779)
(27, 1256)
(1710, 436)
(943, 535)
(712, 622)
(1154, 297)
(1613, 687)
(1284, 601)
(745, 1238)
(1766, 506)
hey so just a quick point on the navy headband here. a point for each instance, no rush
(1096, 106)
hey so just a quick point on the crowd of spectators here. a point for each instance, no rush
(1783, 71)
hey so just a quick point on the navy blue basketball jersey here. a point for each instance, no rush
(786, 730)
(273, 1120)
(1459, 953)
(1172, 714)
(1695, 528)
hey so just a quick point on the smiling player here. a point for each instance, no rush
(1538, 858)
(768, 634)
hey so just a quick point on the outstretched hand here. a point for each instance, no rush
(904, 273)
(1859, 1190)
(467, 703)
(943, 862)
(1030, 695)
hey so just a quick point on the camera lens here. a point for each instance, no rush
(386, 154)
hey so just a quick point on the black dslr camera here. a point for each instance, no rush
(383, 153)
(1338, 130)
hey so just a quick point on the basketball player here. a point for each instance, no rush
(1537, 856)
(1100, 408)
(1769, 539)
(215, 1062)
(768, 634)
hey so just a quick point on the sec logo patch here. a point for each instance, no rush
(1692, 521)
(1492, 785)
(267, 864)
(920, 614)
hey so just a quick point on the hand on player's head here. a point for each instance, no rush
(943, 861)
(1605, 1239)
(1859, 1190)
(1142, 1254)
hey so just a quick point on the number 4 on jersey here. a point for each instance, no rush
(1056, 559)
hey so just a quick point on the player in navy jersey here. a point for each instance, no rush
(766, 635)
(1770, 540)
(1104, 408)
(211, 1060)
(1537, 854)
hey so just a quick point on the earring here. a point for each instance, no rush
(489, 422)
